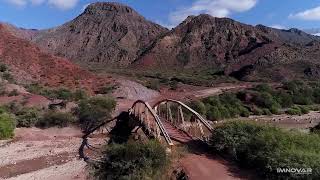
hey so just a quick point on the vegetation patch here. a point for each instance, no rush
(7, 125)
(267, 148)
(59, 119)
(94, 111)
(293, 98)
(133, 160)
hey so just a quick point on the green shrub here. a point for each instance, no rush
(93, 111)
(267, 148)
(198, 106)
(133, 160)
(59, 119)
(263, 88)
(107, 89)
(304, 109)
(173, 85)
(7, 76)
(154, 84)
(284, 99)
(3, 68)
(79, 95)
(213, 113)
(7, 126)
(266, 112)
(295, 110)
(63, 93)
(257, 111)
(28, 117)
(14, 93)
(315, 129)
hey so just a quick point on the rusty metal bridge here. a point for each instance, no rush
(169, 121)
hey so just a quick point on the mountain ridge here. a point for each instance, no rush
(113, 35)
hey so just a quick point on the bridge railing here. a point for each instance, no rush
(184, 118)
(150, 120)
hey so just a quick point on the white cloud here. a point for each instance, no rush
(217, 8)
(37, 2)
(63, 4)
(278, 26)
(18, 2)
(309, 14)
(60, 4)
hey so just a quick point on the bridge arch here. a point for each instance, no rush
(184, 118)
(150, 120)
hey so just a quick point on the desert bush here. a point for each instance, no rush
(93, 111)
(257, 111)
(198, 106)
(133, 160)
(267, 148)
(7, 125)
(153, 84)
(173, 85)
(79, 95)
(7, 76)
(63, 93)
(304, 109)
(315, 129)
(13, 93)
(294, 111)
(266, 112)
(3, 68)
(107, 89)
(284, 99)
(53, 119)
(28, 117)
(263, 88)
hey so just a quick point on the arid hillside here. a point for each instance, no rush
(107, 33)
(232, 48)
(27, 64)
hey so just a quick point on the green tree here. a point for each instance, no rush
(94, 111)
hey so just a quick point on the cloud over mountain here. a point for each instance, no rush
(216, 8)
(309, 14)
(60, 4)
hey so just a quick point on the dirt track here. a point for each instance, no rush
(42, 154)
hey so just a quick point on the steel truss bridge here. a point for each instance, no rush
(169, 121)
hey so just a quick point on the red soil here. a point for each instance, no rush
(28, 64)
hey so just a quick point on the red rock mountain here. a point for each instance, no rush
(29, 65)
(105, 33)
(111, 34)
(244, 51)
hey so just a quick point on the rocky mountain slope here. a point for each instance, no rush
(105, 33)
(114, 35)
(28, 64)
(243, 51)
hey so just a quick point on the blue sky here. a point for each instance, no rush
(42, 14)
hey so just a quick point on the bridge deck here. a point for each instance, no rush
(176, 134)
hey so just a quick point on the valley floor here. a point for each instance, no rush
(53, 153)
(42, 154)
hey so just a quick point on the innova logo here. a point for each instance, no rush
(304, 171)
